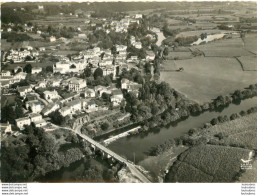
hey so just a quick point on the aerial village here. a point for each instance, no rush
(63, 91)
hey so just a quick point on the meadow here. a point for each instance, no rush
(219, 71)
(205, 78)
(249, 63)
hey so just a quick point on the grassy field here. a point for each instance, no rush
(180, 55)
(199, 32)
(249, 62)
(250, 43)
(205, 78)
(208, 163)
(241, 132)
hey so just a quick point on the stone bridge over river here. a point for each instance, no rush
(110, 154)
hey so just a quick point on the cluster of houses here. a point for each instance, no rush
(7, 78)
(22, 54)
(79, 99)
(95, 58)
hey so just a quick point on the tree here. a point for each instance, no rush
(98, 73)
(8, 114)
(72, 66)
(49, 69)
(87, 72)
(105, 126)
(57, 118)
(28, 68)
(166, 51)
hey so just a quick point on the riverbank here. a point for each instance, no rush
(159, 165)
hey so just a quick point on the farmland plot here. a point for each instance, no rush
(205, 78)
(208, 163)
(249, 63)
(241, 132)
(180, 55)
(251, 43)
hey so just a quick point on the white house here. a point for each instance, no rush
(74, 105)
(50, 108)
(40, 123)
(20, 75)
(137, 45)
(138, 16)
(150, 56)
(6, 128)
(91, 106)
(52, 39)
(21, 122)
(42, 49)
(5, 73)
(41, 84)
(24, 90)
(54, 82)
(36, 70)
(35, 117)
(124, 83)
(77, 84)
(64, 111)
(121, 48)
(34, 105)
(89, 92)
(50, 95)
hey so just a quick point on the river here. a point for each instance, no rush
(141, 144)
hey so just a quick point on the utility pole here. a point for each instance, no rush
(134, 157)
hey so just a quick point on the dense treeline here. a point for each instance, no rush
(36, 153)
(15, 37)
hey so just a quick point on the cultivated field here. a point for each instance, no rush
(241, 132)
(251, 43)
(208, 163)
(199, 32)
(205, 78)
(180, 55)
(249, 63)
(225, 48)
